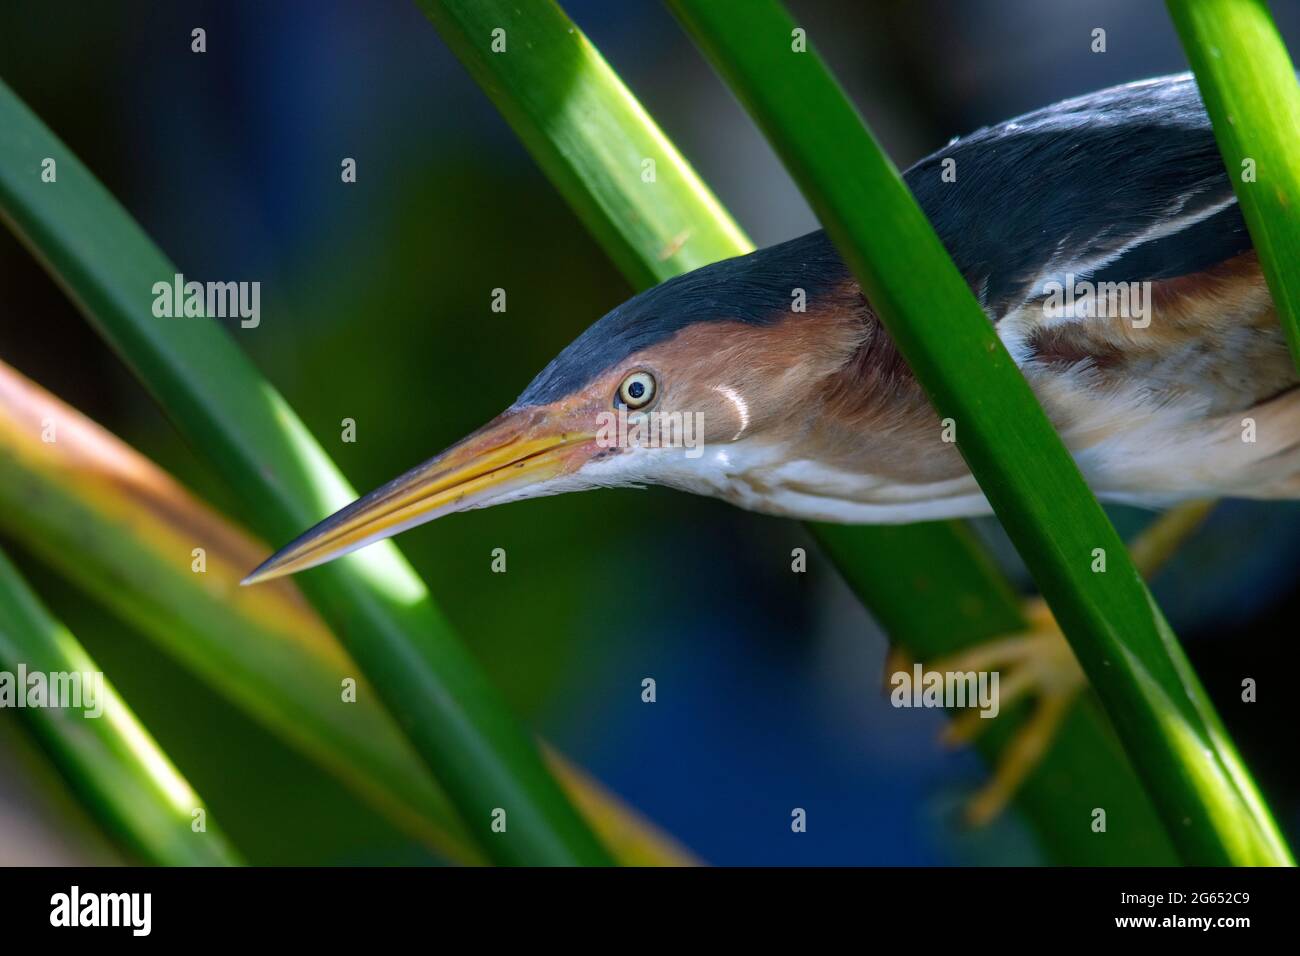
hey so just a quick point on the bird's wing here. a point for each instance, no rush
(1125, 185)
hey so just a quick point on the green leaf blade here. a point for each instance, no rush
(1248, 83)
(591, 136)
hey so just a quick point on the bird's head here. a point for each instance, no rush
(664, 389)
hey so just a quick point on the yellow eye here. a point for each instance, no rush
(637, 390)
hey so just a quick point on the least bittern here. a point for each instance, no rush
(1180, 388)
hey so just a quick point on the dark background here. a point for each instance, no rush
(375, 307)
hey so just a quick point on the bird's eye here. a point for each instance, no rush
(637, 390)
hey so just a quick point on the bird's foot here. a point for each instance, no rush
(1036, 662)
(1039, 663)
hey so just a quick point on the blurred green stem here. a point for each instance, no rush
(101, 748)
(634, 192)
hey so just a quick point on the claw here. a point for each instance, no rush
(1037, 662)
(1018, 761)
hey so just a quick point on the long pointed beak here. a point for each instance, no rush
(506, 459)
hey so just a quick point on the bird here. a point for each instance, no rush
(1100, 235)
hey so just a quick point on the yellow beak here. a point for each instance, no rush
(508, 457)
